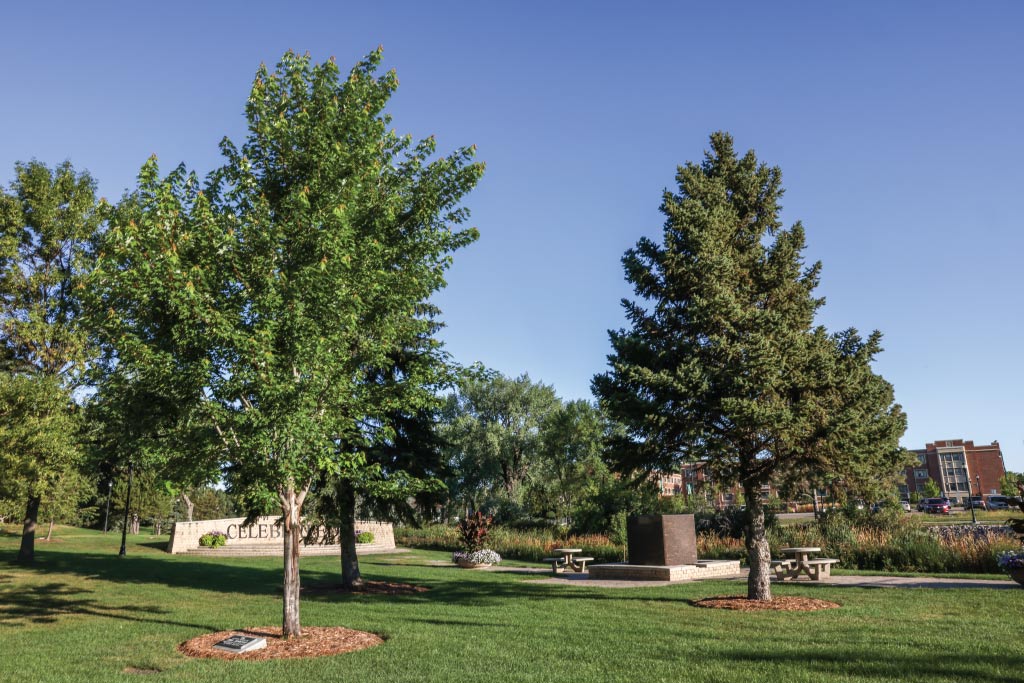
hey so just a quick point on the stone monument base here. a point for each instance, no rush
(704, 569)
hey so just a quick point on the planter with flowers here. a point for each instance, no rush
(1012, 562)
(473, 531)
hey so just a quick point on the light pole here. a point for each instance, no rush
(970, 499)
(106, 516)
(127, 504)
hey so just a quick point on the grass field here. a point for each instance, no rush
(83, 614)
(964, 517)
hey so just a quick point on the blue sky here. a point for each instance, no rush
(898, 127)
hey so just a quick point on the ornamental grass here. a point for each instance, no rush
(902, 546)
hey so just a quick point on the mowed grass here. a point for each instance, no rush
(83, 614)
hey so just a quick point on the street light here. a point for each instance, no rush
(106, 516)
(127, 504)
(970, 500)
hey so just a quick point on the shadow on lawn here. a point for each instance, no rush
(447, 584)
(159, 569)
(865, 663)
(46, 603)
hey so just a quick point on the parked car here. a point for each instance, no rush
(905, 504)
(935, 506)
(976, 502)
(997, 502)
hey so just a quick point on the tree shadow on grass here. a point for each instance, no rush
(47, 603)
(846, 661)
(158, 569)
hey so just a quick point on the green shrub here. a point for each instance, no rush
(875, 541)
(213, 539)
(730, 522)
(364, 537)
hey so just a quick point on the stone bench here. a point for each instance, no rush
(557, 564)
(820, 568)
(582, 562)
(782, 567)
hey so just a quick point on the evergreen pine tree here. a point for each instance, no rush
(723, 362)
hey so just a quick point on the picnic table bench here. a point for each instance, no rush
(568, 561)
(802, 562)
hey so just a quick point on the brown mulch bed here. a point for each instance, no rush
(316, 641)
(368, 588)
(785, 603)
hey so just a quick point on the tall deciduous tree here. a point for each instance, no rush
(291, 279)
(48, 222)
(39, 450)
(572, 467)
(153, 325)
(723, 361)
(494, 433)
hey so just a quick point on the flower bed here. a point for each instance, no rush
(479, 558)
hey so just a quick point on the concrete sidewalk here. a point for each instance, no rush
(860, 581)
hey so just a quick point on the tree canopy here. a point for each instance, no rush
(271, 294)
(48, 223)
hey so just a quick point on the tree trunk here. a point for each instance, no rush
(759, 555)
(49, 531)
(27, 553)
(350, 576)
(291, 504)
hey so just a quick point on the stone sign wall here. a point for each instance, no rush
(265, 533)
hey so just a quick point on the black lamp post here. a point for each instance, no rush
(127, 504)
(106, 516)
(970, 498)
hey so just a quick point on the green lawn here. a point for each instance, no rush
(85, 615)
(964, 517)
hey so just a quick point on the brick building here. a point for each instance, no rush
(958, 467)
(692, 480)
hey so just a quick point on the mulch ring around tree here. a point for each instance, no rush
(783, 603)
(316, 641)
(367, 588)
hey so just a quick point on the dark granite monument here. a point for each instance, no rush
(661, 540)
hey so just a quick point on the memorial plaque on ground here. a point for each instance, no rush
(661, 540)
(241, 644)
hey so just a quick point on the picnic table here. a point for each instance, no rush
(802, 561)
(567, 560)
